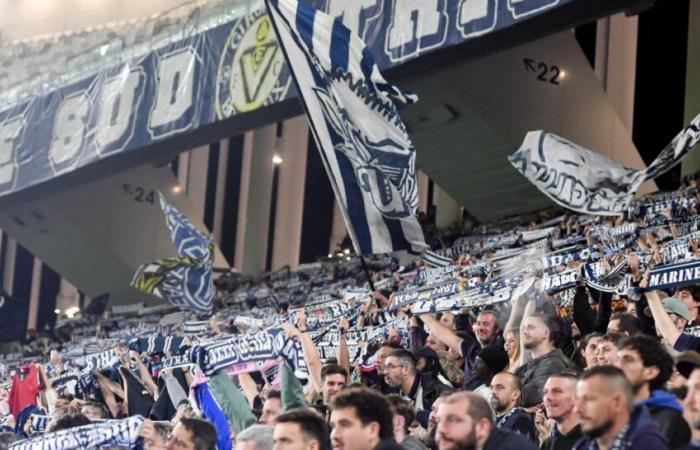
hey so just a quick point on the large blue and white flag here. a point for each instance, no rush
(364, 145)
(185, 281)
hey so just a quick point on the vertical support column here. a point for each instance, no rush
(68, 296)
(9, 272)
(338, 230)
(220, 191)
(292, 148)
(691, 163)
(256, 186)
(423, 194)
(448, 211)
(34, 294)
(197, 179)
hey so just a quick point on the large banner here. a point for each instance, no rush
(228, 70)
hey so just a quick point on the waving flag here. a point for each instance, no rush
(586, 181)
(363, 142)
(185, 281)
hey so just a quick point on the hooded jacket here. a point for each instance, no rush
(667, 414)
(642, 434)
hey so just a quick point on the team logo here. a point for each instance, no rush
(252, 71)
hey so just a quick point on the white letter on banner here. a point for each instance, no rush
(477, 17)
(10, 132)
(350, 12)
(115, 108)
(411, 21)
(69, 129)
(175, 89)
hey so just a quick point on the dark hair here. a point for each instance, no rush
(310, 422)
(404, 408)
(104, 414)
(406, 358)
(587, 338)
(554, 324)
(693, 290)
(69, 421)
(370, 406)
(613, 337)
(653, 354)
(333, 369)
(629, 323)
(7, 438)
(203, 433)
(273, 393)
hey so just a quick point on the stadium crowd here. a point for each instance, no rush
(557, 331)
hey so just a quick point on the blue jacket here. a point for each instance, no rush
(642, 434)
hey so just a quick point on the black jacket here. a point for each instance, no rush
(432, 389)
(506, 440)
(535, 372)
(671, 425)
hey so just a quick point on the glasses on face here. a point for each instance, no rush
(391, 366)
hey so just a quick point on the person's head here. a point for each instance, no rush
(512, 344)
(486, 327)
(382, 353)
(644, 361)
(688, 365)
(606, 352)
(300, 429)
(192, 434)
(62, 404)
(464, 422)
(559, 395)
(333, 378)
(489, 361)
(94, 410)
(68, 421)
(159, 439)
(360, 419)
(540, 330)
(436, 344)
(400, 368)
(678, 313)
(271, 408)
(6, 439)
(690, 296)
(447, 319)
(404, 415)
(625, 324)
(427, 360)
(589, 348)
(255, 437)
(505, 392)
(604, 399)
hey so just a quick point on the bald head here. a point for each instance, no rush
(505, 392)
(610, 381)
(476, 406)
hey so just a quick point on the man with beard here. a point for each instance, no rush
(648, 366)
(541, 334)
(361, 419)
(605, 403)
(381, 355)
(400, 371)
(486, 331)
(559, 402)
(465, 423)
(505, 394)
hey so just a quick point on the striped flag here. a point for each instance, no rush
(184, 281)
(195, 327)
(433, 259)
(364, 145)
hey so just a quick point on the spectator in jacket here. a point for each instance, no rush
(605, 403)
(540, 334)
(505, 395)
(400, 371)
(559, 405)
(465, 421)
(648, 366)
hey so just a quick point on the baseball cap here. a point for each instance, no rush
(673, 305)
(687, 361)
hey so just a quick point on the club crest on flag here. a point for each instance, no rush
(252, 70)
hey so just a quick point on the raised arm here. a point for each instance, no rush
(443, 333)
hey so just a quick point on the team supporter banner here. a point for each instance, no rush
(232, 69)
(260, 346)
(107, 433)
(435, 260)
(185, 281)
(364, 145)
(671, 276)
(586, 181)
